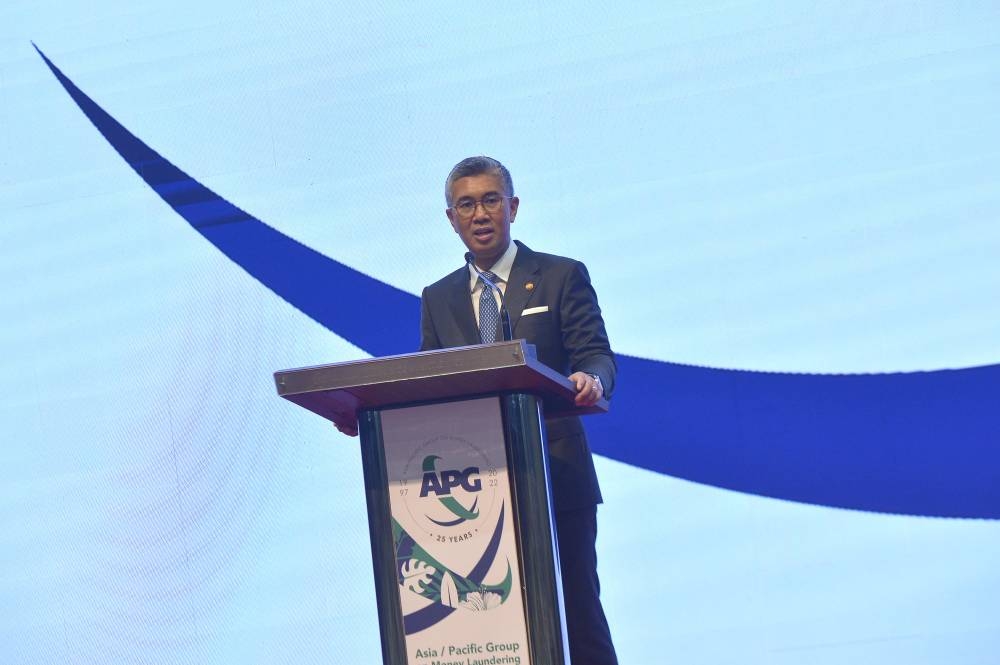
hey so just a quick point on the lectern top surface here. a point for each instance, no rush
(430, 376)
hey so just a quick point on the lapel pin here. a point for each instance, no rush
(529, 286)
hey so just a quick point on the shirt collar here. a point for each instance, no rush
(501, 268)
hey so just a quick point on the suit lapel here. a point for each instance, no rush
(525, 271)
(460, 303)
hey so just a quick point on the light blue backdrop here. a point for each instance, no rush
(793, 187)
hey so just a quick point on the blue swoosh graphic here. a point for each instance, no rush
(919, 443)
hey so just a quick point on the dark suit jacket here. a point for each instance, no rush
(569, 337)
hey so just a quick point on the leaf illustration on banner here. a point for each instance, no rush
(422, 574)
(416, 575)
(449, 592)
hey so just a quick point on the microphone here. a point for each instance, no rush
(504, 314)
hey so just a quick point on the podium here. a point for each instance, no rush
(459, 507)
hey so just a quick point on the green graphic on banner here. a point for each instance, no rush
(422, 574)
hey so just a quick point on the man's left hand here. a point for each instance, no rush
(588, 389)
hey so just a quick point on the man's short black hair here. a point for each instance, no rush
(478, 166)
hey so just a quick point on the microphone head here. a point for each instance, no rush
(470, 257)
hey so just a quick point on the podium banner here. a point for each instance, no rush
(456, 556)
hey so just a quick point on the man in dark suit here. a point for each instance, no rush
(553, 306)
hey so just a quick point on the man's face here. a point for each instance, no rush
(485, 233)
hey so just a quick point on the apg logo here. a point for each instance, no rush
(448, 480)
(441, 484)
